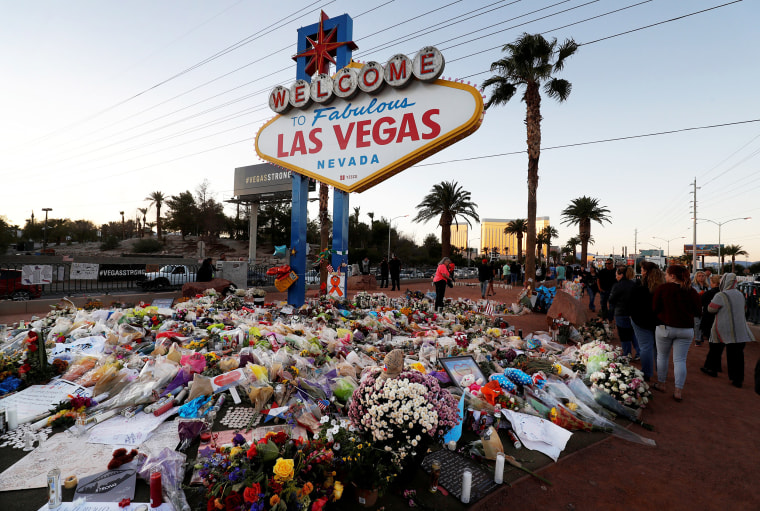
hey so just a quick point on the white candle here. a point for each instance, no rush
(11, 415)
(498, 475)
(452, 445)
(466, 483)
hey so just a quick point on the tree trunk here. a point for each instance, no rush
(533, 124)
(519, 248)
(445, 224)
(584, 233)
(158, 221)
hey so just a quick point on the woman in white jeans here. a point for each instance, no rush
(675, 304)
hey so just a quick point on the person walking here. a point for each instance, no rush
(605, 280)
(484, 275)
(700, 285)
(729, 331)
(494, 271)
(620, 297)
(364, 266)
(707, 318)
(675, 304)
(394, 267)
(384, 272)
(590, 285)
(514, 272)
(643, 318)
(441, 279)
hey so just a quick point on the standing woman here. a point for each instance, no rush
(675, 304)
(441, 279)
(589, 283)
(643, 319)
(700, 285)
(620, 296)
(729, 330)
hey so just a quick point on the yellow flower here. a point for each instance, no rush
(338, 491)
(283, 470)
(235, 451)
(307, 488)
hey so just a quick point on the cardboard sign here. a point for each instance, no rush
(84, 271)
(36, 274)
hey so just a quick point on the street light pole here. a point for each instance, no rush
(390, 227)
(468, 250)
(123, 234)
(668, 241)
(720, 224)
(44, 233)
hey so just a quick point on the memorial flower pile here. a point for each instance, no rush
(609, 371)
(403, 414)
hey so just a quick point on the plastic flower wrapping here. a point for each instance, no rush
(609, 372)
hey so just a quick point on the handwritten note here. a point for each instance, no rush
(39, 399)
(123, 432)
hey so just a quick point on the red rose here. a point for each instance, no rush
(319, 504)
(232, 502)
(251, 452)
(24, 369)
(251, 495)
(32, 347)
(210, 506)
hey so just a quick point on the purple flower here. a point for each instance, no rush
(238, 440)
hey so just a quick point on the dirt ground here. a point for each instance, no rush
(707, 445)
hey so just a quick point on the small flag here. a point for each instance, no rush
(323, 404)
(489, 309)
(330, 268)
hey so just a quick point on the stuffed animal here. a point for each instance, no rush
(472, 385)
(394, 364)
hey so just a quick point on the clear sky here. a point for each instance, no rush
(104, 102)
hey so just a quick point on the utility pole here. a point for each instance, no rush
(635, 243)
(694, 241)
(44, 234)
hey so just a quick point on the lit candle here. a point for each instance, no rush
(466, 483)
(498, 475)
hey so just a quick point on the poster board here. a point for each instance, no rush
(36, 274)
(84, 271)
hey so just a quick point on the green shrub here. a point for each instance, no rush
(147, 246)
(110, 243)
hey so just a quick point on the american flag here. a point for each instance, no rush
(489, 308)
(330, 268)
(323, 404)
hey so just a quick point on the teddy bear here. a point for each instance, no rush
(472, 385)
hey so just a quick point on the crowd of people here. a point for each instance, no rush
(669, 312)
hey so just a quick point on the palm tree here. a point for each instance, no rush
(446, 201)
(371, 216)
(157, 199)
(573, 242)
(517, 227)
(581, 212)
(545, 238)
(733, 251)
(530, 62)
(144, 212)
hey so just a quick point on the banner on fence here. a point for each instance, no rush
(84, 271)
(116, 272)
(36, 274)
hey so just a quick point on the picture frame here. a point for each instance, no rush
(458, 367)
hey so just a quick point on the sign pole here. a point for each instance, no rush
(340, 234)
(297, 291)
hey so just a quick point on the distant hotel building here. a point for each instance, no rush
(492, 236)
(459, 235)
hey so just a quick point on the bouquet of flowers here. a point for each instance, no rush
(402, 414)
(275, 473)
(608, 371)
(595, 330)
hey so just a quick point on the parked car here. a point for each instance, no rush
(11, 286)
(171, 275)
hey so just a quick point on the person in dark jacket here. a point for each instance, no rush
(605, 280)
(205, 272)
(706, 297)
(590, 286)
(384, 272)
(620, 296)
(643, 319)
(394, 266)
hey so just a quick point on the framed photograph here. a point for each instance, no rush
(458, 367)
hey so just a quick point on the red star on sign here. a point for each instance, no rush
(323, 49)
